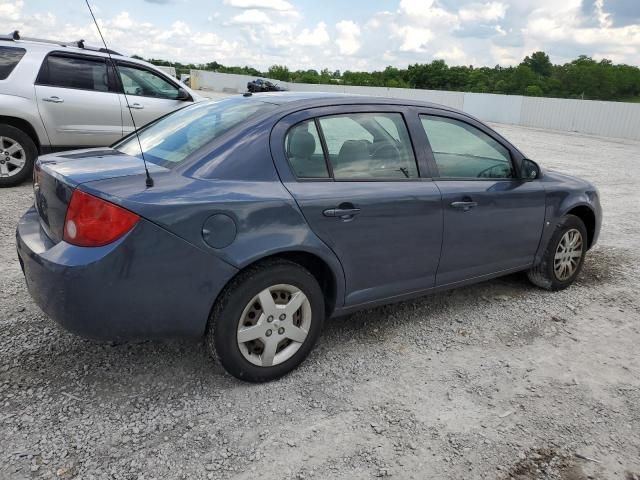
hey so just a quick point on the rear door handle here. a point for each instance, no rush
(136, 106)
(53, 99)
(341, 212)
(464, 205)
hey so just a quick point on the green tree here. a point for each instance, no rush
(279, 72)
(539, 63)
(533, 91)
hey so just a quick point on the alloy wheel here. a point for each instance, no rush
(12, 157)
(274, 325)
(568, 255)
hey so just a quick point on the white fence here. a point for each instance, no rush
(168, 70)
(611, 119)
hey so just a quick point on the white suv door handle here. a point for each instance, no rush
(137, 106)
(53, 99)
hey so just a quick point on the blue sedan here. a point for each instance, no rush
(268, 213)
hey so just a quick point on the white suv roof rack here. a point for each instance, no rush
(15, 36)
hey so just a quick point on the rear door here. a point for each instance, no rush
(77, 101)
(149, 94)
(493, 220)
(354, 174)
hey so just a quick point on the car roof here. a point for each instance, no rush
(44, 45)
(320, 99)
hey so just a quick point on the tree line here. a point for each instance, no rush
(536, 76)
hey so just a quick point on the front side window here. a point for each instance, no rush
(144, 83)
(173, 138)
(369, 146)
(9, 58)
(304, 151)
(74, 72)
(463, 151)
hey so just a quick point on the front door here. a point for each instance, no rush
(77, 101)
(492, 220)
(149, 95)
(356, 181)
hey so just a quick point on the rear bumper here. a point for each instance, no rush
(148, 284)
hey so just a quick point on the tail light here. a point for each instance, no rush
(93, 222)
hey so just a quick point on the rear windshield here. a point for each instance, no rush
(9, 58)
(173, 138)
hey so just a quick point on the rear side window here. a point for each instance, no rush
(369, 146)
(74, 72)
(463, 151)
(304, 151)
(9, 58)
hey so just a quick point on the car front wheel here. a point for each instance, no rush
(564, 256)
(266, 321)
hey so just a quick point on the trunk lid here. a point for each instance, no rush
(57, 175)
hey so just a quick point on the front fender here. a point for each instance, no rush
(564, 194)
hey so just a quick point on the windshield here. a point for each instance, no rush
(172, 139)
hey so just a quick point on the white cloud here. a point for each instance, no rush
(426, 13)
(251, 17)
(454, 55)
(485, 12)
(281, 5)
(10, 11)
(415, 7)
(348, 39)
(313, 38)
(413, 39)
(261, 33)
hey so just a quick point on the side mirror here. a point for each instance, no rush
(183, 95)
(530, 170)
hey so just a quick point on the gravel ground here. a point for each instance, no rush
(498, 380)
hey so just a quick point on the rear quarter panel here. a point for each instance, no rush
(266, 218)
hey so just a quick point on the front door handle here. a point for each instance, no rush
(344, 213)
(466, 205)
(53, 99)
(136, 106)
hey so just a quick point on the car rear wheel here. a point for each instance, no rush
(17, 155)
(563, 259)
(266, 321)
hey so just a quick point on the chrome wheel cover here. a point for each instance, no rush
(12, 157)
(568, 255)
(274, 325)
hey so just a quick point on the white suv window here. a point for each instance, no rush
(67, 71)
(144, 83)
(9, 58)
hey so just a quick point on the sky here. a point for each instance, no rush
(345, 34)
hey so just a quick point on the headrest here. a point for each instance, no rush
(302, 144)
(353, 151)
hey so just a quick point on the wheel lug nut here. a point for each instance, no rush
(281, 330)
(283, 316)
(268, 333)
(270, 318)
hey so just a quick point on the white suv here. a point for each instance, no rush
(59, 96)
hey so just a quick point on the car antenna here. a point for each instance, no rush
(149, 180)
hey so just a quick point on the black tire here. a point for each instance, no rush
(221, 336)
(543, 274)
(30, 150)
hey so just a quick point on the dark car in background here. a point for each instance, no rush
(260, 85)
(269, 213)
